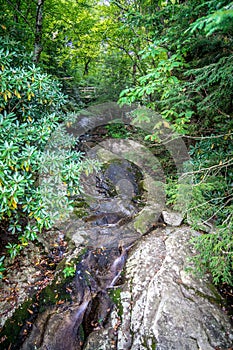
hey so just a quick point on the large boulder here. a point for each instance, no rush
(162, 306)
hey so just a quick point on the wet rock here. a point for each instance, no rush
(104, 338)
(103, 219)
(56, 330)
(20, 277)
(86, 233)
(122, 177)
(76, 311)
(162, 306)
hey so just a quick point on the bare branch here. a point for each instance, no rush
(207, 137)
(216, 166)
(172, 136)
(217, 211)
(209, 201)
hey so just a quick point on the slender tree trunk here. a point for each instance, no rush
(86, 67)
(17, 7)
(38, 31)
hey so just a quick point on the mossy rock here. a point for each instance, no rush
(146, 219)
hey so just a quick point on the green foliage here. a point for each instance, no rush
(18, 22)
(173, 85)
(2, 268)
(69, 270)
(160, 89)
(212, 89)
(117, 130)
(171, 190)
(216, 257)
(221, 20)
(187, 77)
(26, 124)
(112, 75)
(157, 80)
(211, 205)
(13, 249)
(26, 91)
(35, 149)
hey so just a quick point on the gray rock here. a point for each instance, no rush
(147, 217)
(172, 218)
(163, 307)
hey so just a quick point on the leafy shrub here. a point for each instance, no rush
(215, 252)
(209, 207)
(220, 20)
(189, 81)
(69, 270)
(161, 89)
(211, 204)
(117, 130)
(30, 113)
(2, 268)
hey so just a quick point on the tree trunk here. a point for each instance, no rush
(86, 67)
(17, 7)
(38, 31)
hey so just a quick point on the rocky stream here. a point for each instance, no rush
(132, 288)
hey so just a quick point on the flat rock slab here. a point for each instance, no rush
(162, 306)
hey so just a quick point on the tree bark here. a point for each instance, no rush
(38, 31)
(17, 7)
(86, 66)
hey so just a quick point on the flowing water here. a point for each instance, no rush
(109, 234)
(104, 232)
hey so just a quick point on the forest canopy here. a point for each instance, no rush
(174, 57)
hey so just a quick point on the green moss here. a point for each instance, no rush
(81, 333)
(80, 207)
(150, 343)
(57, 291)
(144, 220)
(14, 327)
(215, 299)
(80, 212)
(153, 345)
(115, 295)
(53, 293)
(80, 203)
(117, 130)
